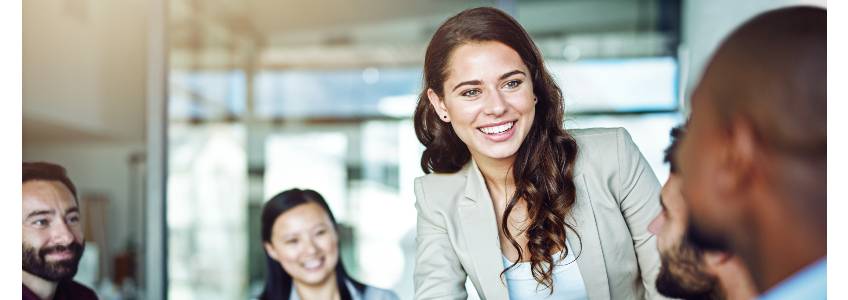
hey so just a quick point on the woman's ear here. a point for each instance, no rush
(438, 105)
(270, 250)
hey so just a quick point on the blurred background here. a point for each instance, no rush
(178, 119)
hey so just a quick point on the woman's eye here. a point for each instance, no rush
(320, 232)
(471, 93)
(513, 84)
(290, 242)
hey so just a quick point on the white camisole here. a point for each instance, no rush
(568, 283)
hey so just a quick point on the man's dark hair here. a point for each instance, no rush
(48, 172)
(671, 152)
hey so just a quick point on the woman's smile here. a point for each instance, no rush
(498, 132)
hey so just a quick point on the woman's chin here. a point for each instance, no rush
(499, 154)
(315, 278)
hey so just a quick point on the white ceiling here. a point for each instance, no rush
(281, 34)
(85, 62)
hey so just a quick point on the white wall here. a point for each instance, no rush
(707, 23)
(85, 64)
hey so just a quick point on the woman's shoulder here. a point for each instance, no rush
(443, 181)
(440, 191)
(443, 178)
(611, 139)
(601, 149)
(375, 293)
(594, 137)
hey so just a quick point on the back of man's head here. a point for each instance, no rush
(773, 71)
(771, 74)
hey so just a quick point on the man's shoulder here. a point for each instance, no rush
(74, 290)
(28, 294)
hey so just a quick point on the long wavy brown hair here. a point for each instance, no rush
(544, 165)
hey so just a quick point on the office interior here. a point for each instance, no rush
(178, 119)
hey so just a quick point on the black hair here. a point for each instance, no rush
(671, 152)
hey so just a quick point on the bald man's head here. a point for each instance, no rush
(771, 75)
(754, 157)
(772, 71)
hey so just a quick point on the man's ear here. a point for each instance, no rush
(716, 258)
(438, 105)
(739, 156)
(270, 250)
(736, 159)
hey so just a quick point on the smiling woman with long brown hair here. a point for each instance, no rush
(512, 200)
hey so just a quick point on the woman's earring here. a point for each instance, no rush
(535, 100)
(445, 117)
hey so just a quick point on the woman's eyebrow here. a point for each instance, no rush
(477, 82)
(470, 82)
(510, 73)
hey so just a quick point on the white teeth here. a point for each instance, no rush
(497, 129)
(313, 263)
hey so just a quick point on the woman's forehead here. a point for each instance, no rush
(476, 60)
(306, 216)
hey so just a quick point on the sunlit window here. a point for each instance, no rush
(641, 84)
(207, 230)
(333, 93)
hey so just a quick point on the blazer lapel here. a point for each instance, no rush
(591, 258)
(481, 235)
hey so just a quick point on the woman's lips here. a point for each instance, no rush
(313, 264)
(498, 132)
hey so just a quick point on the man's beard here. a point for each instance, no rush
(682, 274)
(704, 240)
(34, 261)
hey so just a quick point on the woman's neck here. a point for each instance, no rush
(324, 290)
(497, 173)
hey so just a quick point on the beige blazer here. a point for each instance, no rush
(617, 197)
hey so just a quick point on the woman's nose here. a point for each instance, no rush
(311, 247)
(495, 104)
